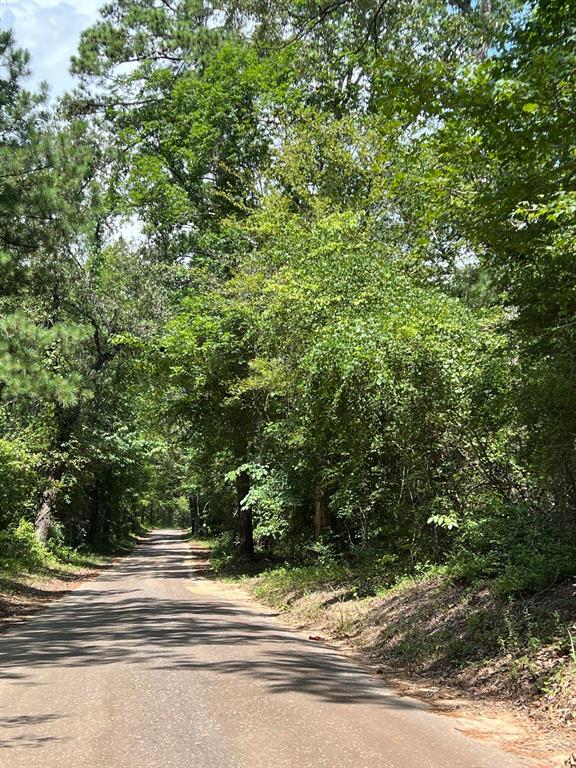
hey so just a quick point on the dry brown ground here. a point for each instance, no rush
(22, 595)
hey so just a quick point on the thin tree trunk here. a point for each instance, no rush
(485, 12)
(99, 523)
(196, 518)
(320, 509)
(245, 523)
(191, 513)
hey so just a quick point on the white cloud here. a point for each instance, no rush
(50, 30)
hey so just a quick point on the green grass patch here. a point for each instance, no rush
(370, 575)
(208, 543)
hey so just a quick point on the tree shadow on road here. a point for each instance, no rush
(27, 738)
(105, 624)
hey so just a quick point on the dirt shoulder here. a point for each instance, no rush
(504, 668)
(25, 591)
(24, 594)
(427, 642)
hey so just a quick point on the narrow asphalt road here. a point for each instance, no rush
(146, 667)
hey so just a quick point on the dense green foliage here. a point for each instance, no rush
(346, 322)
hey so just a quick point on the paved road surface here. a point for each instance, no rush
(146, 668)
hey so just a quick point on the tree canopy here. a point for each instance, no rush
(300, 274)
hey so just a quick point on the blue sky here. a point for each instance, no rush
(50, 30)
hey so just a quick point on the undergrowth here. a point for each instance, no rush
(495, 636)
(21, 552)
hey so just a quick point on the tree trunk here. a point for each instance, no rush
(66, 419)
(244, 516)
(192, 513)
(485, 11)
(99, 523)
(45, 515)
(320, 509)
(196, 516)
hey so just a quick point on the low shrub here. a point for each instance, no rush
(21, 550)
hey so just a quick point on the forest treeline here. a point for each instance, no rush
(301, 273)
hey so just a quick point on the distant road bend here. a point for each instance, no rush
(150, 666)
